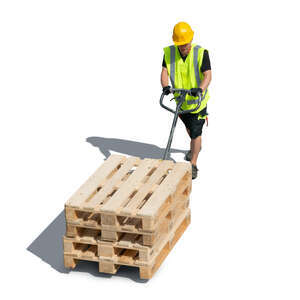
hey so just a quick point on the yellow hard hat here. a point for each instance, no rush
(182, 33)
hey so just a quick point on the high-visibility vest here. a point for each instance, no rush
(186, 74)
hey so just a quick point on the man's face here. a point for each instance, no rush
(185, 49)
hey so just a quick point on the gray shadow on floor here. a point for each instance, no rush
(48, 246)
(142, 150)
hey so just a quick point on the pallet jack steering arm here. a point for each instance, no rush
(180, 99)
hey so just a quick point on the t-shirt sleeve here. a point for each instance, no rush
(205, 62)
(164, 63)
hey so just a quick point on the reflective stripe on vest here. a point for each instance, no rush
(197, 72)
(196, 65)
(172, 65)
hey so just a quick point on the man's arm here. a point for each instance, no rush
(206, 80)
(164, 78)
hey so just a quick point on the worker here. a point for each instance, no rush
(188, 67)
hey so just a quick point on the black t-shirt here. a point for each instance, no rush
(205, 62)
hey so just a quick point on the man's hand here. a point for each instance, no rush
(166, 90)
(195, 91)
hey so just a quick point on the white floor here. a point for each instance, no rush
(80, 80)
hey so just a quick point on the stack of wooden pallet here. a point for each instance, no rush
(129, 212)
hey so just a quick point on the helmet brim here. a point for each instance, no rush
(184, 42)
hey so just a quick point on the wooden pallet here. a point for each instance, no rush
(134, 245)
(127, 241)
(93, 234)
(122, 255)
(129, 195)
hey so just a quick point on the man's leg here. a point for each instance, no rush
(189, 133)
(195, 149)
(191, 143)
(194, 129)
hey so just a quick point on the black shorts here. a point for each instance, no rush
(192, 123)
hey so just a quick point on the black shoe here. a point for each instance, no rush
(194, 171)
(188, 156)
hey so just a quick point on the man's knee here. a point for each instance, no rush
(194, 134)
(196, 128)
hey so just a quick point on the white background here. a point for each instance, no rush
(70, 70)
